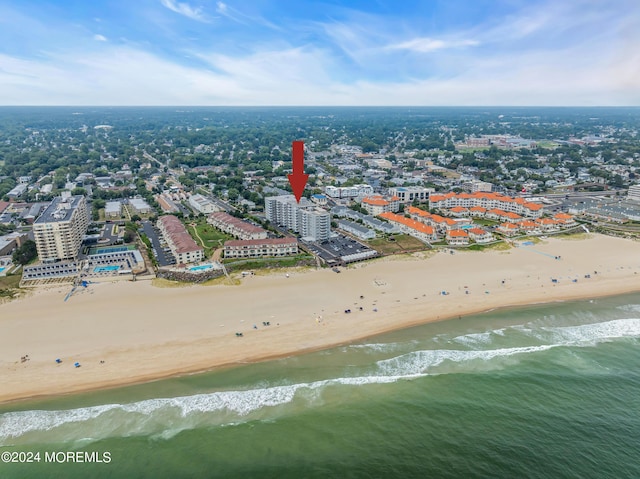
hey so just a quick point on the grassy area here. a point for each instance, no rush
(572, 236)
(249, 264)
(223, 280)
(484, 222)
(207, 236)
(396, 244)
(165, 283)
(501, 246)
(10, 286)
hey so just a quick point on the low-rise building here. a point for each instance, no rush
(409, 194)
(357, 230)
(349, 191)
(140, 206)
(457, 237)
(259, 248)
(508, 229)
(183, 247)
(202, 204)
(490, 201)
(113, 209)
(320, 200)
(412, 227)
(236, 227)
(479, 235)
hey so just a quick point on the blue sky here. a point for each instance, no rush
(270, 52)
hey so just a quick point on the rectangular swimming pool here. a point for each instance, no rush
(202, 267)
(101, 269)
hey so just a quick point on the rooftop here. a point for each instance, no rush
(60, 209)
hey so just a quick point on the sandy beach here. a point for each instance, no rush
(125, 332)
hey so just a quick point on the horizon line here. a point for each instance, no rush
(318, 106)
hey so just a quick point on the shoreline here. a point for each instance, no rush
(148, 344)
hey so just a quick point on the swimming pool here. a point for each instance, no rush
(2, 268)
(202, 267)
(117, 249)
(467, 227)
(102, 269)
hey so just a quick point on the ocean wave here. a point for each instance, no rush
(158, 415)
(596, 332)
(424, 362)
(155, 415)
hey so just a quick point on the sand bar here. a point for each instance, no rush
(125, 332)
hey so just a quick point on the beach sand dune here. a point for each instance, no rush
(127, 332)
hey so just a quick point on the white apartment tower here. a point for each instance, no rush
(59, 230)
(310, 221)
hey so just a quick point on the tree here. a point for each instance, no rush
(25, 253)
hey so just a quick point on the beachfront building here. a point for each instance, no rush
(58, 231)
(565, 220)
(202, 204)
(354, 191)
(184, 249)
(313, 223)
(375, 205)
(260, 248)
(479, 235)
(457, 237)
(508, 229)
(412, 227)
(441, 224)
(548, 225)
(409, 194)
(488, 201)
(113, 209)
(356, 230)
(236, 227)
(140, 206)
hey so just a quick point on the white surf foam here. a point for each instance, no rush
(153, 416)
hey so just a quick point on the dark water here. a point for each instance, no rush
(545, 391)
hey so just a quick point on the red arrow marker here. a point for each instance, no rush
(298, 179)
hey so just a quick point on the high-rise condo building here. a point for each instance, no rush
(59, 230)
(311, 222)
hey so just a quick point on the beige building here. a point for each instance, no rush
(259, 248)
(59, 230)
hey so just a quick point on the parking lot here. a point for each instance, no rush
(333, 250)
(160, 249)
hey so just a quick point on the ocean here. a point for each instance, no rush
(546, 391)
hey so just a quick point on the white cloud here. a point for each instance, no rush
(185, 9)
(100, 38)
(304, 76)
(427, 45)
(222, 8)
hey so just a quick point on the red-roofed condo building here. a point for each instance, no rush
(182, 245)
(235, 226)
(519, 206)
(375, 205)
